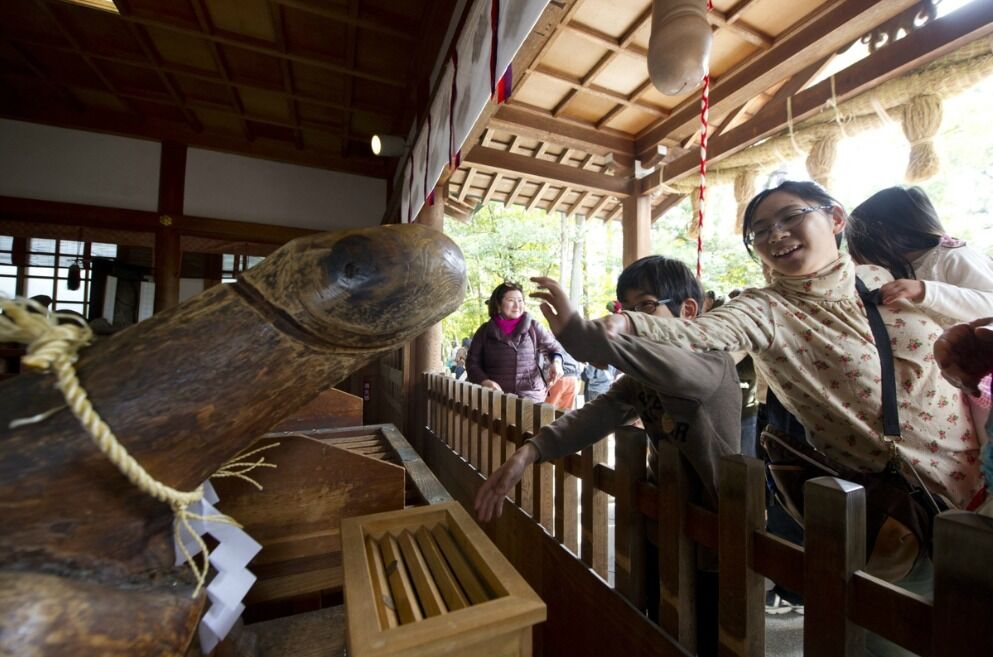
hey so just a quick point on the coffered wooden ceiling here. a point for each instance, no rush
(584, 110)
(303, 81)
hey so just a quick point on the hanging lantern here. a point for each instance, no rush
(74, 278)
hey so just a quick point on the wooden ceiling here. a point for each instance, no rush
(584, 109)
(303, 81)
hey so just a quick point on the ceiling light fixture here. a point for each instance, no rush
(388, 145)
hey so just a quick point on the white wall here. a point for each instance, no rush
(226, 186)
(72, 166)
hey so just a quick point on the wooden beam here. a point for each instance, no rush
(76, 214)
(668, 202)
(537, 196)
(746, 32)
(595, 210)
(466, 185)
(491, 190)
(926, 44)
(558, 200)
(578, 84)
(575, 207)
(515, 191)
(616, 212)
(603, 39)
(503, 161)
(828, 32)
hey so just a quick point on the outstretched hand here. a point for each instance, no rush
(964, 353)
(555, 304)
(489, 499)
(902, 288)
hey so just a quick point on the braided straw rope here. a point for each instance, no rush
(54, 340)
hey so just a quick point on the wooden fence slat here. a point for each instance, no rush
(741, 608)
(450, 413)
(544, 473)
(497, 404)
(677, 555)
(963, 585)
(630, 450)
(525, 422)
(486, 465)
(593, 547)
(466, 423)
(834, 548)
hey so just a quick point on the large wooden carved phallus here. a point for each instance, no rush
(87, 560)
(679, 45)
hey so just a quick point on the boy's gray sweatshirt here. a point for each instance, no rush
(692, 399)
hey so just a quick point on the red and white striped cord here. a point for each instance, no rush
(704, 129)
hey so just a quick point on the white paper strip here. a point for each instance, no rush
(230, 559)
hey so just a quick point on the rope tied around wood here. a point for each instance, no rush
(53, 342)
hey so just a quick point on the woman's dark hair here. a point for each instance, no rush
(807, 190)
(891, 223)
(666, 278)
(493, 305)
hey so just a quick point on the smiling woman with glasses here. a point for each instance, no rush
(762, 230)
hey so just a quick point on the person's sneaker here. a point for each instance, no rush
(775, 605)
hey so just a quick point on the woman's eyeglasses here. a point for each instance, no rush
(761, 234)
(648, 306)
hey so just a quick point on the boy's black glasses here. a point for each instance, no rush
(788, 222)
(648, 306)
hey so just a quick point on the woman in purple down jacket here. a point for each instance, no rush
(503, 354)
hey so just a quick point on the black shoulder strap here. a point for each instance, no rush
(891, 411)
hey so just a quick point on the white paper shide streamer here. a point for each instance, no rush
(230, 559)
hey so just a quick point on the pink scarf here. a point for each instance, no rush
(507, 326)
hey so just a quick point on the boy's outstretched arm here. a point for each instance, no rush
(489, 499)
(558, 309)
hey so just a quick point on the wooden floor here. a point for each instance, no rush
(319, 633)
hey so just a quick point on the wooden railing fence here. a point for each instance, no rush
(842, 602)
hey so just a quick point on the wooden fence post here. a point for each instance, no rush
(741, 608)
(834, 548)
(543, 473)
(963, 585)
(486, 465)
(677, 554)
(630, 451)
(593, 547)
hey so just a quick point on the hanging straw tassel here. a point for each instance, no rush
(820, 160)
(693, 227)
(921, 121)
(744, 190)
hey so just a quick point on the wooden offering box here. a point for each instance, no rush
(427, 581)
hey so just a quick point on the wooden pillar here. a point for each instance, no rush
(425, 348)
(963, 585)
(168, 255)
(636, 220)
